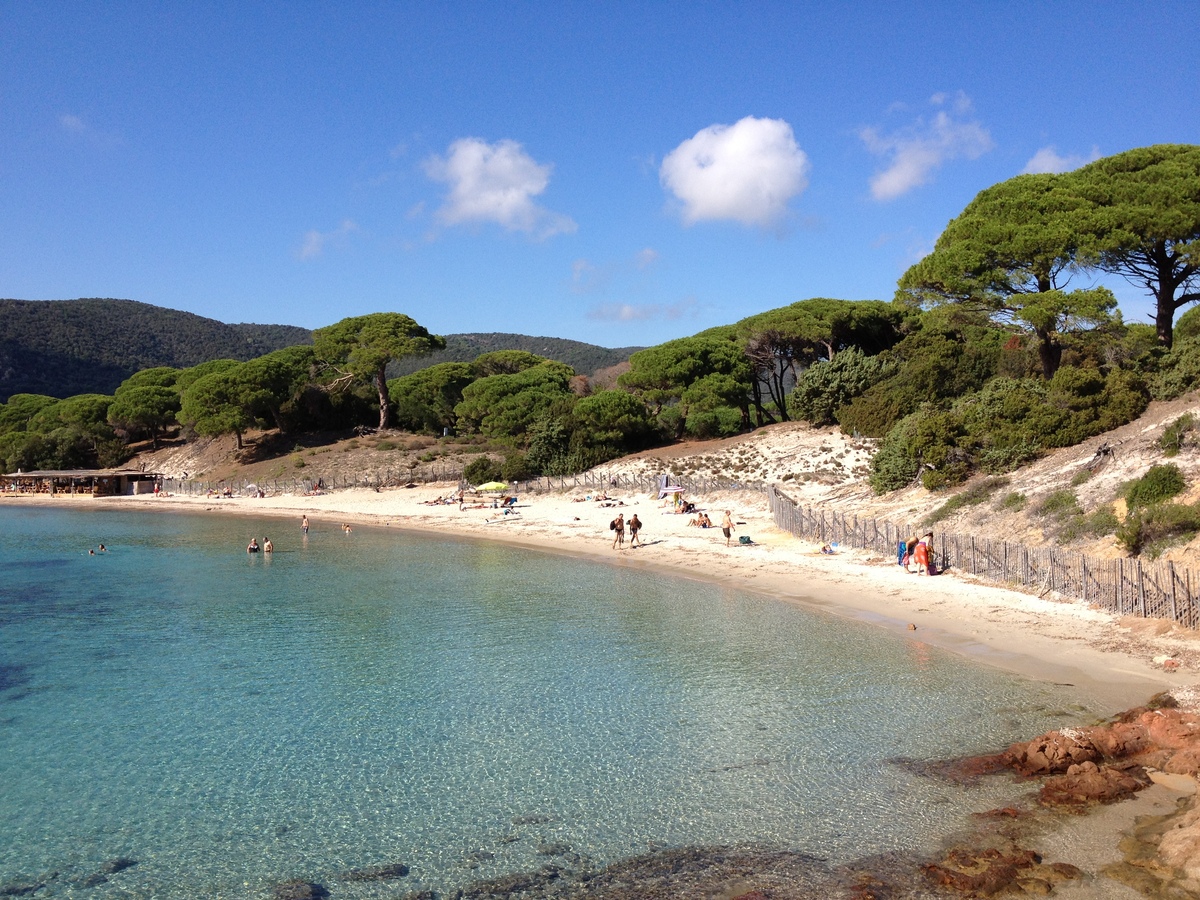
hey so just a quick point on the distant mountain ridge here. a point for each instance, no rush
(65, 347)
(586, 359)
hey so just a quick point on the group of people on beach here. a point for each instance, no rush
(618, 525)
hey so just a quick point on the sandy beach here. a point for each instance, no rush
(1111, 664)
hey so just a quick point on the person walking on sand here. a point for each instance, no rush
(727, 526)
(635, 525)
(618, 526)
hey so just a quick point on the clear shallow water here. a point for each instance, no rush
(231, 721)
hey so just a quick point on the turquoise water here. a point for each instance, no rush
(464, 708)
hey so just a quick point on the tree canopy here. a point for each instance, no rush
(360, 347)
(1012, 252)
(1143, 223)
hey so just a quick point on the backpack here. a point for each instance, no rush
(612, 526)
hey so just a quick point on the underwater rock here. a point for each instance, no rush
(985, 873)
(120, 864)
(377, 873)
(299, 890)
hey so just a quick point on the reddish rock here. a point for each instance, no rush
(1171, 729)
(1088, 783)
(1120, 739)
(1052, 753)
(1185, 762)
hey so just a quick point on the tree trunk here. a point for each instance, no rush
(1049, 352)
(381, 386)
(238, 436)
(1164, 321)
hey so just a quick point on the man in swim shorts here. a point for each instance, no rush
(618, 526)
(635, 525)
(727, 528)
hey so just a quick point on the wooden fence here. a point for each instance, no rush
(1123, 586)
(620, 481)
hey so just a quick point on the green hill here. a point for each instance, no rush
(67, 347)
(585, 359)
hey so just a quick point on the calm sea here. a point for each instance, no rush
(464, 708)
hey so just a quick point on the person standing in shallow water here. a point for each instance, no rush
(304, 524)
(618, 525)
(635, 525)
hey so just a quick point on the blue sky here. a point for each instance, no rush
(620, 173)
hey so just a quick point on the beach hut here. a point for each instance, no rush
(97, 482)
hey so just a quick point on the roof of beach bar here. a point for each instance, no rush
(83, 473)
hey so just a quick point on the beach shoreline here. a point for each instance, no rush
(1108, 662)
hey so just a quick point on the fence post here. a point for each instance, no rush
(1171, 575)
(1141, 589)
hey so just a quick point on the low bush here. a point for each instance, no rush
(1158, 484)
(1013, 502)
(972, 496)
(1175, 434)
(1095, 524)
(1059, 505)
(1155, 528)
(1081, 477)
(481, 470)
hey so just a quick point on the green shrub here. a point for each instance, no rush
(1081, 477)
(1098, 523)
(1154, 528)
(385, 445)
(1059, 505)
(515, 468)
(972, 496)
(826, 386)
(1013, 502)
(481, 470)
(1158, 484)
(1174, 435)
(713, 423)
(1178, 371)
(298, 461)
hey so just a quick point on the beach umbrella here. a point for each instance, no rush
(493, 486)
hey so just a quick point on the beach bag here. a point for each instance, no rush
(612, 526)
(745, 539)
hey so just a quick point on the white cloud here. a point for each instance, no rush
(1048, 160)
(587, 278)
(918, 149)
(646, 258)
(72, 123)
(746, 172)
(495, 183)
(631, 312)
(314, 241)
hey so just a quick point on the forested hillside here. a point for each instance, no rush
(67, 347)
(585, 359)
